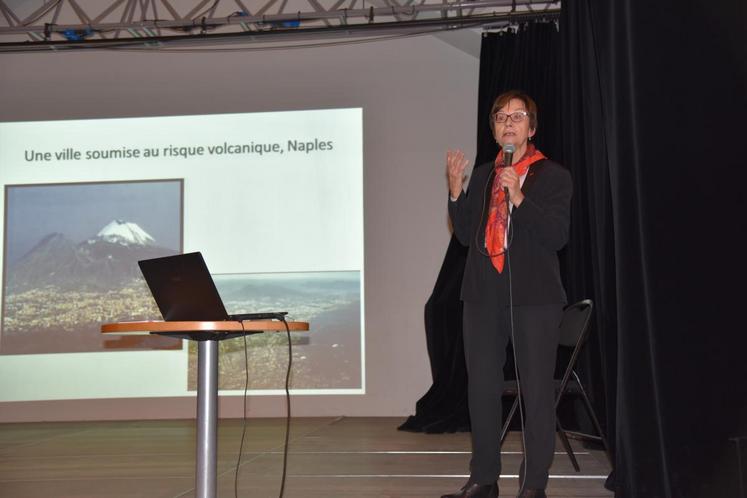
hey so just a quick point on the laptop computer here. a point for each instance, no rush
(184, 290)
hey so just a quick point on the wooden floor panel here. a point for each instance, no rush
(99, 488)
(329, 457)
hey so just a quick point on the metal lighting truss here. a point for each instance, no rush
(42, 25)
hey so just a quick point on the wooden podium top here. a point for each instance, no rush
(218, 327)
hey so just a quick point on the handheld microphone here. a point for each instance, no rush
(508, 159)
(508, 154)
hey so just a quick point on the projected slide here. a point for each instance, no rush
(274, 202)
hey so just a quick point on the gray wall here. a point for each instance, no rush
(419, 97)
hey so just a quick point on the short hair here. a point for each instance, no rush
(506, 97)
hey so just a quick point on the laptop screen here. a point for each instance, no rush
(183, 288)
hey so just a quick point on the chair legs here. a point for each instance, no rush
(563, 434)
(594, 420)
(567, 446)
(509, 418)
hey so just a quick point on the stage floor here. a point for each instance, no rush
(329, 457)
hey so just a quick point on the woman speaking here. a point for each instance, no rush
(514, 219)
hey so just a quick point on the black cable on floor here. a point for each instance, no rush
(288, 408)
(243, 428)
(287, 417)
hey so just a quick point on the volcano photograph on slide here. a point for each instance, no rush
(70, 263)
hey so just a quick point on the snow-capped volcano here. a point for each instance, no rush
(125, 233)
(105, 262)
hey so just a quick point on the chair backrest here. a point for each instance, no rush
(574, 329)
(574, 325)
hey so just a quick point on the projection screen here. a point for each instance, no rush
(274, 201)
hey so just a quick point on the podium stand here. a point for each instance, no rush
(207, 334)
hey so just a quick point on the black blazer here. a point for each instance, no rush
(538, 230)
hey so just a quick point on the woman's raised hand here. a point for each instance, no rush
(456, 163)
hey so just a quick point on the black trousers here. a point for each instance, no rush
(486, 333)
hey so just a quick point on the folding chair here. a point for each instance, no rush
(574, 331)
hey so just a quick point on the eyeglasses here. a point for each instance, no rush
(516, 116)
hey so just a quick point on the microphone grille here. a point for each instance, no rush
(509, 149)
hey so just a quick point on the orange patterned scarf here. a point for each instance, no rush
(495, 230)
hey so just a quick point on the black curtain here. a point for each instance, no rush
(525, 58)
(444, 408)
(654, 101)
(650, 101)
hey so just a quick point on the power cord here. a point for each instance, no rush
(243, 427)
(516, 365)
(287, 405)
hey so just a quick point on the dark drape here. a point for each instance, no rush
(590, 255)
(443, 408)
(649, 119)
(526, 58)
(654, 101)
